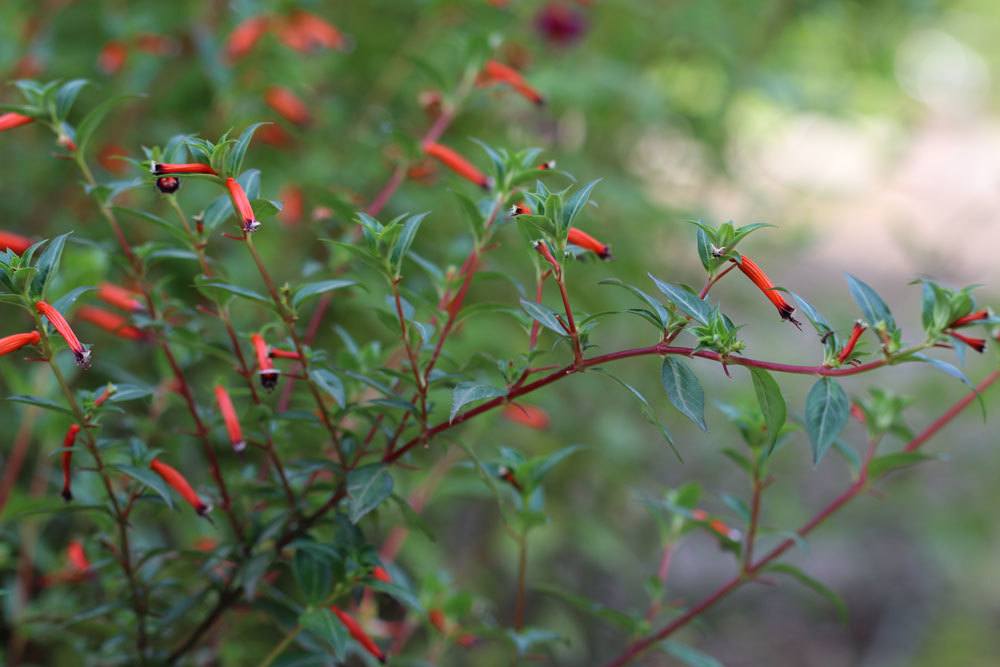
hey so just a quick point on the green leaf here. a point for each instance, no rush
(310, 290)
(212, 289)
(48, 264)
(645, 408)
(85, 130)
(172, 229)
(772, 403)
(234, 161)
(322, 624)
(880, 465)
(367, 487)
(40, 402)
(870, 303)
(812, 584)
(329, 383)
(661, 312)
(575, 203)
(466, 392)
(686, 300)
(827, 409)
(688, 655)
(67, 95)
(147, 478)
(684, 390)
(66, 301)
(545, 316)
(312, 567)
(405, 240)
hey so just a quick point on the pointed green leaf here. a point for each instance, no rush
(827, 409)
(684, 390)
(772, 403)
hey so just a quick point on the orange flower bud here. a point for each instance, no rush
(359, 635)
(437, 619)
(307, 32)
(176, 481)
(288, 104)
(496, 72)
(112, 57)
(14, 242)
(527, 415)
(15, 342)
(859, 328)
(458, 164)
(970, 318)
(10, 120)
(381, 574)
(119, 297)
(582, 239)
(166, 169)
(77, 557)
(230, 418)
(110, 322)
(245, 36)
(67, 459)
(59, 323)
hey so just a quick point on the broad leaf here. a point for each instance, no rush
(772, 403)
(827, 409)
(684, 390)
(367, 488)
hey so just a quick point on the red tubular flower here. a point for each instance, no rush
(293, 205)
(241, 204)
(105, 395)
(245, 36)
(14, 242)
(970, 318)
(167, 169)
(112, 57)
(977, 344)
(507, 475)
(229, 416)
(359, 635)
(859, 328)
(496, 72)
(10, 120)
(381, 574)
(15, 342)
(59, 323)
(168, 185)
(542, 248)
(582, 239)
(110, 322)
(527, 415)
(265, 368)
(288, 104)
(307, 32)
(764, 284)
(458, 164)
(67, 459)
(176, 481)
(119, 297)
(437, 619)
(77, 557)
(276, 353)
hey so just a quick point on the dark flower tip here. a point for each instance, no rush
(82, 359)
(269, 379)
(67, 495)
(168, 184)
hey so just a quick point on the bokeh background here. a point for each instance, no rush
(867, 131)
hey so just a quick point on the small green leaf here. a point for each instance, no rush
(367, 487)
(67, 95)
(772, 403)
(313, 571)
(688, 655)
(813, 585)
(880, 465)
(310, 290)
(467, 392)
(545, 316)
(234, 161)
(40, 402)
(47, 265)
(684, 390)
(212, 288)
(827, 409)
(329, 383)
(686, 300)
(405, 240)
(870, 303)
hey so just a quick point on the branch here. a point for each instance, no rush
(853, 490)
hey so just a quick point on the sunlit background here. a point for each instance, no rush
(867, 132)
